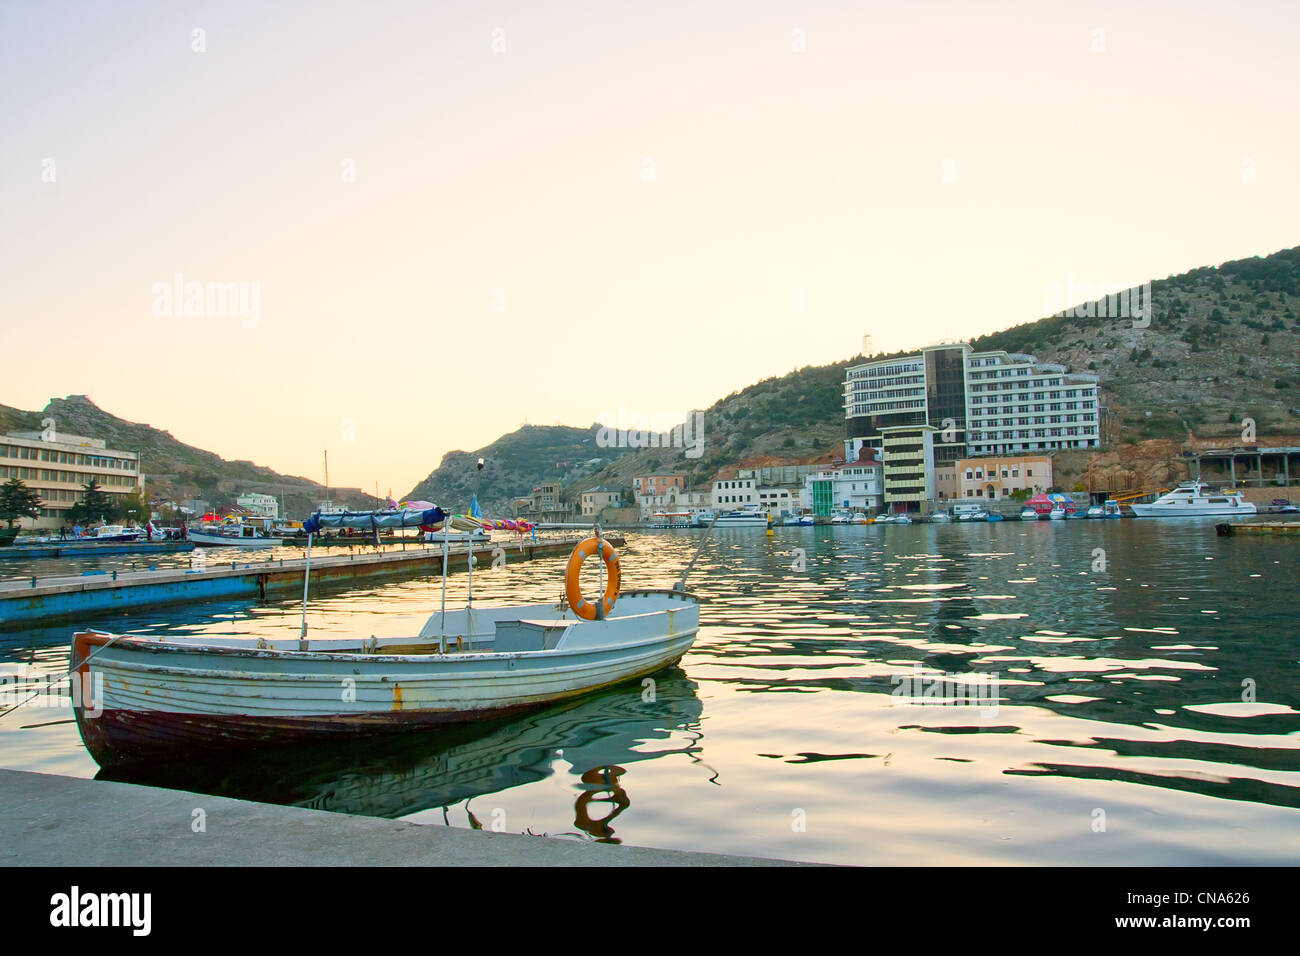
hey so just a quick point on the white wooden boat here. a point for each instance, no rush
(177, 698)
(1193, 499)
(156, 698)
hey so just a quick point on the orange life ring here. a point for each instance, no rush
(573, 585)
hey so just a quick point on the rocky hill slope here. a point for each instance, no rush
(513, 465)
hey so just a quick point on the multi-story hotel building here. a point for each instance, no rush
(1016, 404)
(924, 412)
(57, 470)
(980, 403)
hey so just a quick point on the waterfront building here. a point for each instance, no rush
(907, 455)
(675, 500)
(998, 477)
(945, 482)
(57, 469)
(648, 486)
(730, 494)
(264, 505)
(978, 403)
(854, 486)
(595, 500)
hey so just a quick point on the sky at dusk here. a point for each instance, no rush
(448, 218)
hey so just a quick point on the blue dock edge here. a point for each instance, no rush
(51, 820)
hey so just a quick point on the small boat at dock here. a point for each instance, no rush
(159, 698)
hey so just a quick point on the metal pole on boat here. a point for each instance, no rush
(442, 643)
(306, 579)
(681, 585)
(600, 576)
(469, 587)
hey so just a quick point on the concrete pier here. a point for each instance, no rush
(49, 820)
(27, 600)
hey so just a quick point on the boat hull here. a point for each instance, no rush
(1157, 511)
(224, 541)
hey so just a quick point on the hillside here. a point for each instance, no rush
(1223, 344)
(513, 465)
(174, 470)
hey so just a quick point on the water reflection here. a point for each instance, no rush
(401, 776)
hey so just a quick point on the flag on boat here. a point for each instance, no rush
(474, 510)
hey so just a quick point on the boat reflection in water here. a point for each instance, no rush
(599, 735)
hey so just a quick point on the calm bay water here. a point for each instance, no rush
(1120, 734)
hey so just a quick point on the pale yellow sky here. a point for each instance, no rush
(648, 192)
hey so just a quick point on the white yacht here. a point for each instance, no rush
(744, 518)
(1192, 499)
(704, 518)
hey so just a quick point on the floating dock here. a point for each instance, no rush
(25, 601)
(82, 549)
(1226, 530)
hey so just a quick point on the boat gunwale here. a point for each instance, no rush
(143, 643)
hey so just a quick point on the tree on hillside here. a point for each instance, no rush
(18, 501)
(94, 505)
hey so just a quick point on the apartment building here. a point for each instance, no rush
(650, 485)
(595, 500)
(58, 468)
(978, 403)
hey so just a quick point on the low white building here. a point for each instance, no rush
(265, 505)
(675, 499)
(853, 486)
(731, 494)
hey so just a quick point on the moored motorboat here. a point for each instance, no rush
(704, 518)
(1028, 514)
(744, 518)
(1107, 509)
(241, 536)
(1193, 499)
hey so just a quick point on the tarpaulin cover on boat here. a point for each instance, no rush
(369, 520)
